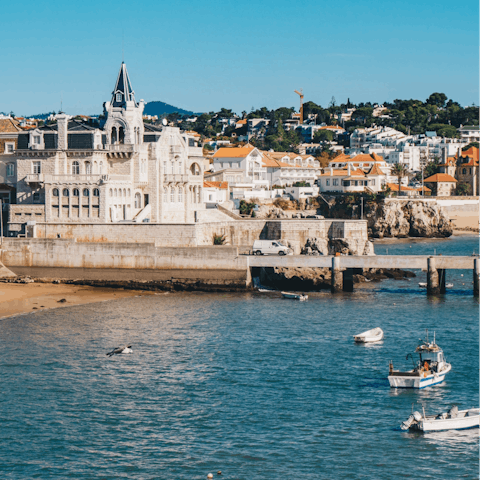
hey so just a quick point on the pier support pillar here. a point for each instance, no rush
(442, 274)
(433, 285)
(476, 273)
(337, 275)
(348, 280)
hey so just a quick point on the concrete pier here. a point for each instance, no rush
(433, 284)
(476, 273)
(348, 279)
(337, 275)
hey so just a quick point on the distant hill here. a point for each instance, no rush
(161, 108)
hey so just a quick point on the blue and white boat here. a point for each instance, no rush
(430, 369)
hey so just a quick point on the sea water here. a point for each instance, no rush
(251, 385)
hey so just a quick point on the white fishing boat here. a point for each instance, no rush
(454, 419)
(295, 296)
(370, 336)
(430, 369)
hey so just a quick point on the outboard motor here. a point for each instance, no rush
(412, 419)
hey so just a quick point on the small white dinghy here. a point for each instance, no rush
(370, 336)
(295, 296)
(454, 419)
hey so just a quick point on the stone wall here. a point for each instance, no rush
(60, 253)
(238, 233)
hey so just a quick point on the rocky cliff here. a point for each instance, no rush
(391, 217)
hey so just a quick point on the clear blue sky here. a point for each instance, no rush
(204, 55)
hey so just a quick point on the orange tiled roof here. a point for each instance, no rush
(220, 185)
(331, 127)
(233, 152)
(8, 125)
(472, 154)
(242, 122)
(440, 177)
(376, 170)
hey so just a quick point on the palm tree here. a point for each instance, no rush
(400, 170)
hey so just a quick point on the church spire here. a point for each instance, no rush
(123, 91)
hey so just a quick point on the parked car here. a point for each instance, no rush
(270, 247)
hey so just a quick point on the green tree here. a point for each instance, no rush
(400, 170)
(437, 99)
(323, 136)
(463, 189)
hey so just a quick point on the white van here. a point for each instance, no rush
(270, 247)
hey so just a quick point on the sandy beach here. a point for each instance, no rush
(18, 298)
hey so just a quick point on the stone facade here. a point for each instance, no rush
(118, 170)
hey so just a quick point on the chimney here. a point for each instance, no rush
(349, 167)
(62, 129)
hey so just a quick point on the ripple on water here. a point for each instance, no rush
(253, 386)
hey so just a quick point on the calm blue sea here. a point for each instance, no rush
(249, 384)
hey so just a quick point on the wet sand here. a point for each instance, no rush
(16, 298)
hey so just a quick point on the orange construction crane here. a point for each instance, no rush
(301, 104)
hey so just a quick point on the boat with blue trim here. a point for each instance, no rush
(430, 369)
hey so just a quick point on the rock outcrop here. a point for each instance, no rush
(408, 219)
(270, 211)
(344, 246)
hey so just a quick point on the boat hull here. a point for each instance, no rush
(464, 423)
(417, 381)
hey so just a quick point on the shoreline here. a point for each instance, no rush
(24, 298)
(456, 233)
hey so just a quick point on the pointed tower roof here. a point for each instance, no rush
(123, 91)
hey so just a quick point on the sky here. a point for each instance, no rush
(209, 54)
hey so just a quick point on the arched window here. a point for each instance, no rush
(195, 169)
(55, 192)
(138, 200)
(464, 171)
(88, 168)
(180, 194)
(165, 195)
(75, 168)
(110, 193)
(194, 194)
(121, 135)
(101, 168)
(172, 166)
(124, 192)
(115, 193)
(86, 192)
(76, 193)
(114, 136)
(180, 167)
(128, 193)
(172, 194)
(65, 192)
(199, 193)
(96, 192)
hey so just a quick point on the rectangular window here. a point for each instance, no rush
(36, 167)
(335, 182)
(191, 142)
(9, 148)
(36, 140)
(10, 170)
(328, 183)
(36, 197)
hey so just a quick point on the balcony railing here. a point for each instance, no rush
(87, 179)
(175, 178)
(124, 148)
(34, 178)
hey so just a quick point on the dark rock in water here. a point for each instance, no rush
(315, 279)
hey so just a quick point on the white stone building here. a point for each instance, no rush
(118, 171)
